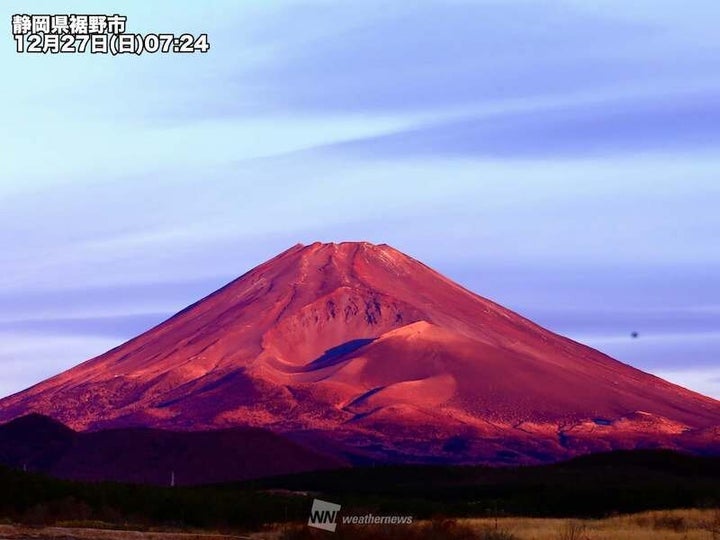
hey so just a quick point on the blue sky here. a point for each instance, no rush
(558, 156)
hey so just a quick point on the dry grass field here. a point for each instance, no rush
(671, 525)
(23, 532)
(690, 524)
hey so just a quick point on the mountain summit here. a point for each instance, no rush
(361, 350)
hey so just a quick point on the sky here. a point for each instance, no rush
(557, 156)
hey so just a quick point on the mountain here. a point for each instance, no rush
(364, 352)
(153, 456)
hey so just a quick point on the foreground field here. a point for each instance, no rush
(23, 532)
(690, 524)
(675, 524)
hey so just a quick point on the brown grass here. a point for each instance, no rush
(22, 532)
(690, 524)
(449, 529)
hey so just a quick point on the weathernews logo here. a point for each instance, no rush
(325, 515)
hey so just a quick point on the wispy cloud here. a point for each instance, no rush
(679, 123)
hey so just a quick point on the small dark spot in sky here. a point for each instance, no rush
(634, 335)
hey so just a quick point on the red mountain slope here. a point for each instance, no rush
(362, 349)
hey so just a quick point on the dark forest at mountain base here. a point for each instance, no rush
(590, 486)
